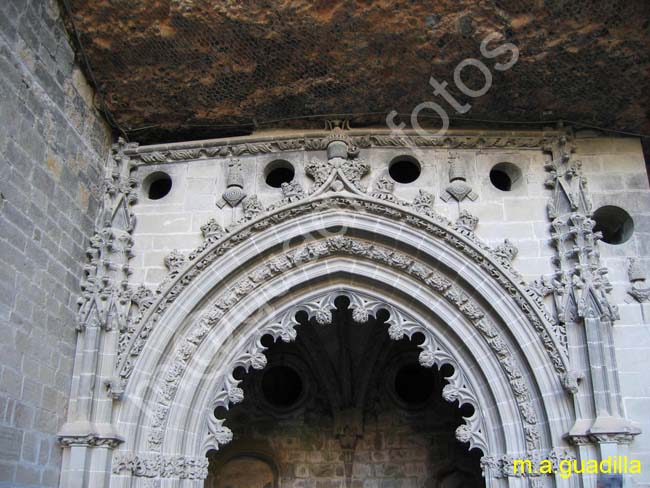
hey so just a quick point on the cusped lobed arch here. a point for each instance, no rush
(494, 334)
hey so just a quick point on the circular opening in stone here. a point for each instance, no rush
(414, 384)
(404, 169)
(505, 176)
(278, 172)
(282, 386)
(157, 185)
(615, 223)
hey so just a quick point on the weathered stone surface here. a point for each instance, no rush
(178, 66)
(52, 146)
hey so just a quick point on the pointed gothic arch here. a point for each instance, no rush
(214, 296)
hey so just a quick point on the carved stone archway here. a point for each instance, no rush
(280, 276)
(170, 364)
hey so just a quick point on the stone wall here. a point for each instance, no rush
(52, 147)
(397, 450)
(617, 176)
(174, 221)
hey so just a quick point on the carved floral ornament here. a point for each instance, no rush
(320, 309)
(457, 236)
(338, 186)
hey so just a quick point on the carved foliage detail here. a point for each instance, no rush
(580, 284)
(320, 143)
(105, 296)
(157, 466)
(397, 328)
(142, 326)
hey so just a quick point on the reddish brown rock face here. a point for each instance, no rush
(180, 65)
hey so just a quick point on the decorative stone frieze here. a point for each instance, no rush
(502, 466)
(157, 466)
(90, 440)
(319, 142)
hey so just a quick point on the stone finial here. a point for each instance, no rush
(338, 143)
(467, 221)
(174, 260)
(292, 192)
(423, 203)
(506, 251)
(383, 190)
(212, 230)
(142, 297)
(252, 207)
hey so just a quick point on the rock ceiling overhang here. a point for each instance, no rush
(180, 69)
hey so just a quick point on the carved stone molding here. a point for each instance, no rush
(318, 142)
(363, 307)
(361, 250)
(580, 285)
(161, 467)
(462, 240)
(622, 438)
(90, 440)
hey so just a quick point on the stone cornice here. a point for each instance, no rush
(264, 143)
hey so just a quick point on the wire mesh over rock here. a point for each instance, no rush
(174, 69)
